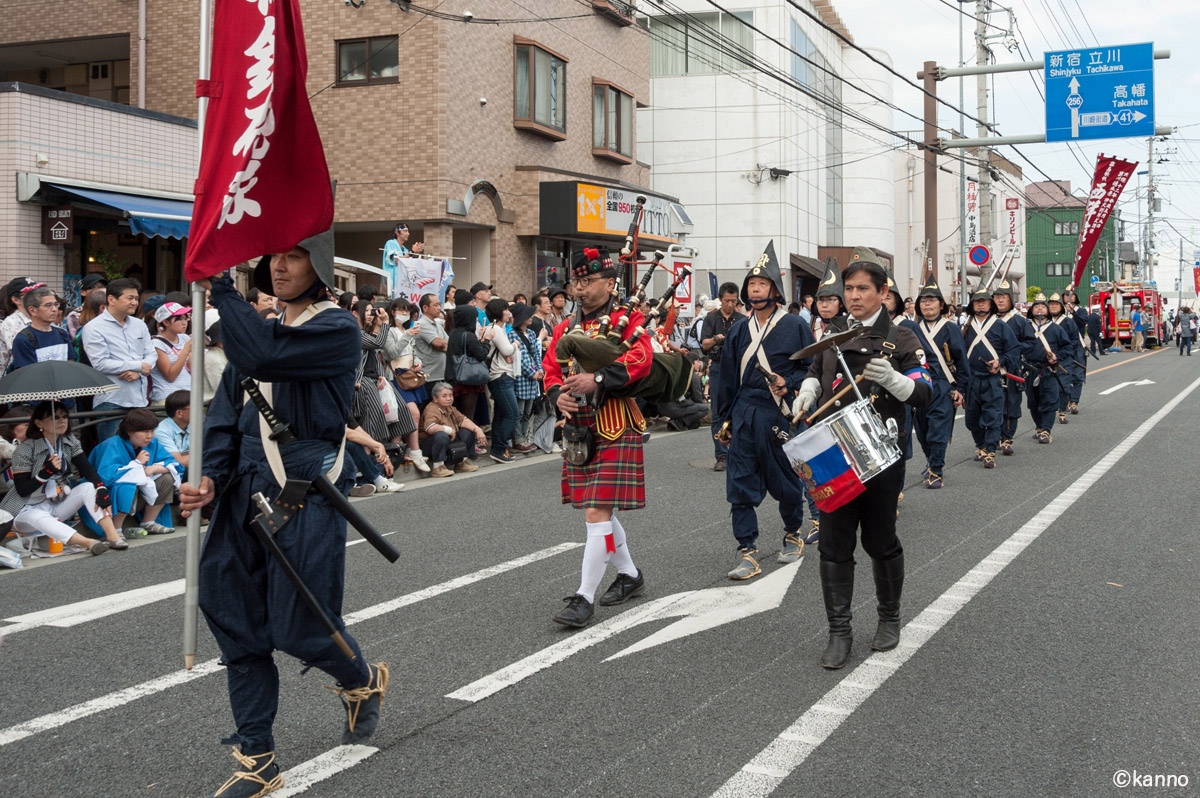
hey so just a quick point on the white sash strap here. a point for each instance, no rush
(270, 447)
(981, 331)
(930, 336)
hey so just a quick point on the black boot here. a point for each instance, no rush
(837, 586)
(889, 581)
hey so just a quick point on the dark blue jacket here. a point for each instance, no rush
(1002, 339)
(1057, 338)
(789, 335)
(949, 337)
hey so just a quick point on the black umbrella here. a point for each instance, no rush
(52, 380)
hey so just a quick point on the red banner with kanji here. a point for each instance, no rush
(1111, 176)
(1196, 279)
(263, 183)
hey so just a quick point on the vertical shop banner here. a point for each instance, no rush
(972, 220)
(1196, 279)
(1013, 207)
(1111, 176)
(263, 183)
(416, 277)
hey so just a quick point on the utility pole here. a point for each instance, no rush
(1148, 274)
(962, 174)
(985, 165)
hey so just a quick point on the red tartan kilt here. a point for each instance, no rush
(614, 478)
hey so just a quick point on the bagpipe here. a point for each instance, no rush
(579, 351)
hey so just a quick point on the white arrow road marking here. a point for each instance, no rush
(69, 615)
(319, 768)
(767, 770)
(62, 717)
(700, 610)
(1121, 385)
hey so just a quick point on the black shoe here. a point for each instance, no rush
(577, 613)
(623, 589)
(259, 775)
(889, 582)
(502, 456)
(719, 465)
(837, 588)
(676, 425)
(362, 705)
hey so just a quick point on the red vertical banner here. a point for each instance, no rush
(1109, 180)
(263, 183)
(1196, 279)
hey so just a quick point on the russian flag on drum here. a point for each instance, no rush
(821, 465)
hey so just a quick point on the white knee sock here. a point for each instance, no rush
(595, 559)
(621, 557)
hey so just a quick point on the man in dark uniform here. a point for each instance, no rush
(1043, 377)
(755, 406)
(305, 361)
(945, 361)
(890, 360)
(992, 350)
(1080, 317)
(1023, 331)
(613, 479)
(713, 332)
(1093, 330)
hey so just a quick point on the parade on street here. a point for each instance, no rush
(598, 397)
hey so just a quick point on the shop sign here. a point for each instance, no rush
(609, 211)
(683, 293)
(58, 225)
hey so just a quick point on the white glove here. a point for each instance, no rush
(881, 372)
(807, 397)
(449, 429)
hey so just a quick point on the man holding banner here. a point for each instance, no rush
(263, 186)
(393, 251)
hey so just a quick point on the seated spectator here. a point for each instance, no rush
(173, 357)
(11, 436)
(172, 432)
(442, 426)
(43, 499)
(141, 473)
(372, 463)
(40, 339)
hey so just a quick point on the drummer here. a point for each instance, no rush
(755, 405)
(945, 359)
(891, 361)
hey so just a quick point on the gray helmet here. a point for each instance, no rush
(320, 252)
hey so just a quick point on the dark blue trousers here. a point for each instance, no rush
(985, 410)
(1043, 399)
(1012, 409)
(252, 608)
(935, 424)
(757, 466)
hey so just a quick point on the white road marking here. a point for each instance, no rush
(767, 770)
(69, 615)
(700, 610)
(319, 768)
(62, 717)
(1121, 385)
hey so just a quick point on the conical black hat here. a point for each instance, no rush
(831, 282)
(766, 267)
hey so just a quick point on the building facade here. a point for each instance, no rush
(478, 132)
(759, 159)
(1052, 222)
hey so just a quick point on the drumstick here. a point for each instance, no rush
(836, 396)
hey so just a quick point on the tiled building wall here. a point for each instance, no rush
(85, 143)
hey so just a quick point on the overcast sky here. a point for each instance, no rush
(913, 31)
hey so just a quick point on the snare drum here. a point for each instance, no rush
(835, 457)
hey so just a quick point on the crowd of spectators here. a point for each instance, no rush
(438, 387)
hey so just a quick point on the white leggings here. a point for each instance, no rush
(48, 517)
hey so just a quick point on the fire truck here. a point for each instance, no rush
(1115, 302)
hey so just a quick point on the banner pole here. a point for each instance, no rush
(191, 593)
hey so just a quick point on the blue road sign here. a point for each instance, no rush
(979, 255)
(1100, 93)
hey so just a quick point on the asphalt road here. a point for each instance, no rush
(1053, 605)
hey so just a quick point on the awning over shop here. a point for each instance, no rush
(149, 216)
(810, 266)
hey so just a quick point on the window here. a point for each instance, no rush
(800, 44)
(1058, 269)
(612, 122)
(375, 60)
(540, 95)
(701, 43)
(1066, 228)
